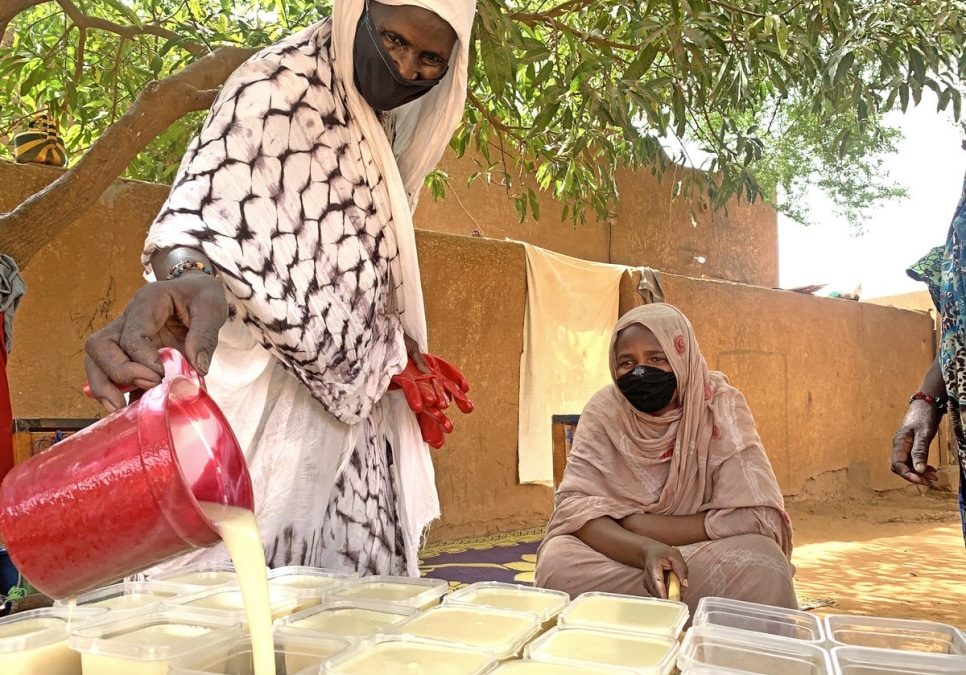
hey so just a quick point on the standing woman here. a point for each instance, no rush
(287, 242)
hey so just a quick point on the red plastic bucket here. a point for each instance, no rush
(122, 495)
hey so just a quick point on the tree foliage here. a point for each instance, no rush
(777, 93)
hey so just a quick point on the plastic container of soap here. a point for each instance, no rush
(293, 654)
(899, 634)
(749, 616)
(608, 611)
(749, 652)
(311, 584)
(127, 596)
(400, 655)
(35, 641)
(199, 575)
(351, 620)
(537, 668)
(589, 647)
(501, 631)
(866, 661)
(412, 592)
(544, 603)
(228, 600)
(147, 644)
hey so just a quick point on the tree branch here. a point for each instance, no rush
(11, 8)
(38, 220)
(553, 12)
(85, 21)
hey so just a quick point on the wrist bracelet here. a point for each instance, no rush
(937, 402)
(184, 266)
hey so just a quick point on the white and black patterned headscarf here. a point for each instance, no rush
(304, 205)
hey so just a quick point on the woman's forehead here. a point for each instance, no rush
(637, 337)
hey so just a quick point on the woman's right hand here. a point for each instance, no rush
(910, 445)
(657, 560)
(184, 313)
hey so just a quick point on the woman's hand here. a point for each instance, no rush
(657, 559)
(184, 313)
(910, 445)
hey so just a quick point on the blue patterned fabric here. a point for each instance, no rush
(942, 269)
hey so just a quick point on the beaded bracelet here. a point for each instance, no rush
(184, 266)
(937, 402)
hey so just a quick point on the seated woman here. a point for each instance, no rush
(667, 473)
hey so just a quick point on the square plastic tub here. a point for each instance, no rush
(35, 641)
(293, 654)
(738, 615)
(866, 661)
(537, 668)
(501, 631)
(147, 644)
(402, 655)
(544, 603)
(127, 596)
(743, 651)
(899, 634)
(228, 600)
(351, 620)
(590, 647)
(311, 584)
(409, 591)
(199, 575)
(608, 611)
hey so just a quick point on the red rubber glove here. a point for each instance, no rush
(453, 382)
(421, 389)
(434, 425)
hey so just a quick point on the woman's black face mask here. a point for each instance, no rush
(376, 75)
(648, 389)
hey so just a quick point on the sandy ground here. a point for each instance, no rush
(896, 555)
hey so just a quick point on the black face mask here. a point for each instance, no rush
(648, 389)
(376, 76)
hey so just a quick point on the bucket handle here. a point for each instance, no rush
(174, 363)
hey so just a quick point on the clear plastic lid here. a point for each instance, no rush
(866, 661)
(609, 611)
(128, 595)
(310, 584)
(412, 592)
(402, 655)
(344, 618)
(293, 654)
(628, 652)
(199, 575)
(748, 652)
(229, 601)
(537, 668)
(37, 628)
(541, 601)
(899, 634)
(501, 631)
(789, 623)
(162, 634)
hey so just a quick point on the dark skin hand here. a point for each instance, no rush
(418, 41)
(910, 445)
(638, 346)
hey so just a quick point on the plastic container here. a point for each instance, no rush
(409, 656)
(866, 661)
(125, 596)
(899, 634)
(351, 620)
(747, 652)
(589, 647)
(199, 575)
(537, 668)
(293, 654)
(229, 601)
(122, 494)
(412, 592)
(149, 643)
(544, 603)
(501, 631)
(608, 611)
(35, 641)
(738, 615)
(310, 584)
